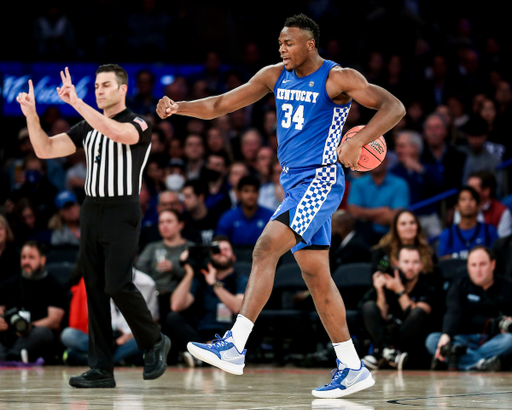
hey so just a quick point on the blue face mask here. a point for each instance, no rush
(33, 176)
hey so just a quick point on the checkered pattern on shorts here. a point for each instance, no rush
(333, 140)
(313, 199)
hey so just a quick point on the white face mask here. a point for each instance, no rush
(174, 182)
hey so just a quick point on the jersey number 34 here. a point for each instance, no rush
(298, 116)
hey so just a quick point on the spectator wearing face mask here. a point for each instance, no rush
(65, 224)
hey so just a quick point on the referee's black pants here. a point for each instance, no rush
(109, 234)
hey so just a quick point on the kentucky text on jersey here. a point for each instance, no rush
(296, 95)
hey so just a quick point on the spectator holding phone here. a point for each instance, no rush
(214, 295)
(395, 311)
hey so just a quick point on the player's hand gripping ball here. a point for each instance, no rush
(372, 154)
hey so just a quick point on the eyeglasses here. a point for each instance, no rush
(97, 159)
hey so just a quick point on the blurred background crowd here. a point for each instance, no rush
(442, 190)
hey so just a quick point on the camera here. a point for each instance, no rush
(199, 255)
(385, 267)
(17, 320)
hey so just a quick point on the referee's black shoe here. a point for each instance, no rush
(155, 359)
(93, 378)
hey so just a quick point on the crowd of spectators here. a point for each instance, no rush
(220, 180)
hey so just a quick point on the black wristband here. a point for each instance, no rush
(400, 294)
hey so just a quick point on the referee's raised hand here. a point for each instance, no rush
(27, 100)
(67, 92)
(166, 107)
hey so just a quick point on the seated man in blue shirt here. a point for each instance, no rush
(244, 224)
(214, 296)
(457, 240)
(376, 197)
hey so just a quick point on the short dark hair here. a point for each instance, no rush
(487, 179)
(146, 71)
(489, 251)
(222, 238)
(199, 187)
(222, 154)
(471, 190)
(120, 72)
(41, 248)
(249, 181)
(305, 23)
(179, 215)
(409, 248)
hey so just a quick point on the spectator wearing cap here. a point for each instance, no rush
(65, 223)
(244, 224)
(478, 156)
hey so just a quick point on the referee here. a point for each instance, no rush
(116, 146)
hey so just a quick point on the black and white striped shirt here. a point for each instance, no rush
(113, 169)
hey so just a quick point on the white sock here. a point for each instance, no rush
(241, 331)
(346, 353)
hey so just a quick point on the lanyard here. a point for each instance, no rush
(473, 238)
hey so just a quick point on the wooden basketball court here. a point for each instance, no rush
(259, 388)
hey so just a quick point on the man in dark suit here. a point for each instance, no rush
(347, 245)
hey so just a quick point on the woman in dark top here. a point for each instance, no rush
(9, 256)
(406, 230)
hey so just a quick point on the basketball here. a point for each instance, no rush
(372, 154)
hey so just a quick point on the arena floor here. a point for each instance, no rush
(259, 388)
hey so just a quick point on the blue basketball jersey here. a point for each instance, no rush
(309, 123)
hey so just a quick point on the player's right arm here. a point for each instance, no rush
(45, 147)
(212, 107)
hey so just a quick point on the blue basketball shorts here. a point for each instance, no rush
(311, 197)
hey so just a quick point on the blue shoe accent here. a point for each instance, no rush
(221, 353)
(345, 381)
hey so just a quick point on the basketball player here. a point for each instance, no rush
(117, 145)
(313, 97)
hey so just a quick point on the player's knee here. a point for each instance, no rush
(265, 249)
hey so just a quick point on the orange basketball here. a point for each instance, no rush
(372, 154)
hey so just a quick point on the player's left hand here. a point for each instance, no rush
(67, 92)
(348, 154)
